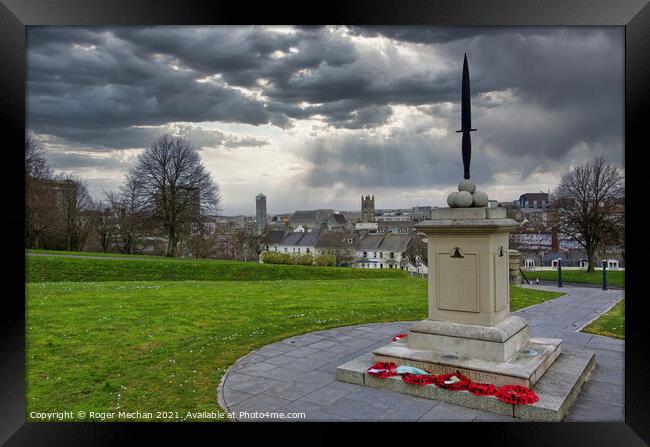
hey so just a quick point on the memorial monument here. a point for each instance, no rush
(469, 328)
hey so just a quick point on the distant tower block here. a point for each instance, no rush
(368, 208)
(260, 213)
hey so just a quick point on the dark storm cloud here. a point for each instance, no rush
(93, 87)
(423, 34)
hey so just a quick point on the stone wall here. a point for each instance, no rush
(513, 267)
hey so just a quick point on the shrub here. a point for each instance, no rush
(276, 258)
(325, 260)
(306, 259)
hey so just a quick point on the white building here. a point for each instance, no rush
(299, 243)
(383, 251)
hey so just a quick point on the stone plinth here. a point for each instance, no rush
(495, 343)
(469, 327)
(468, 265)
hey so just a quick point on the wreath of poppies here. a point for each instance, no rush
(418, 379)
(511, 394)
(383, 370)
(445, 381)
(516, 394)
(399, 336)
(482, 389)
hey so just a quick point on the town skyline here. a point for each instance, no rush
(329, 112)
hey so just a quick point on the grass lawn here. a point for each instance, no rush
(164, 345)
(614, 277)
(94, 254)
(59, 268)
(610, 324)
(521, 297)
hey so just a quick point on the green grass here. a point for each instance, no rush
(59, 268)
(610, 324)
(521, 297)
(95, 254)
(164, 345)
(614, 277)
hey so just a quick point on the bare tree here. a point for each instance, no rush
(173, 186)
(130, 220)
(589, 205)
(248, 242)
(201, 241)
(417, 248)
(76, 206)
(40, 198)
(103, 225)
(35, 164)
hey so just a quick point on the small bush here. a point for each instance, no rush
(276, 258)
(303, 259)
(325, 260)
(306, 259)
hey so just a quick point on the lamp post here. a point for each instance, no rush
(604, 274)
(559, 272)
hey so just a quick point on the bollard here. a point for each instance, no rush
(604, 274)
(559, 272)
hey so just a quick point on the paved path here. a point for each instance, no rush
(298, 374)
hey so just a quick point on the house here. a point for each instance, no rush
(338, 222)
(343, 245)
(422, 268)
(271, 240)
(311, 219)
(533, 200)
(367, 251)
(393, 249)
(417, 268)
(307, 244)
(289, 243)
(407, 265)
(299, 243)
(383, 251)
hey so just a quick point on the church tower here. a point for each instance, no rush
(368, 208)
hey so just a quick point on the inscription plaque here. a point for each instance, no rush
(457, 282)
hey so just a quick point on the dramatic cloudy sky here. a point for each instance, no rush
(314, 117)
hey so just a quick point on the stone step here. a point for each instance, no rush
(557, 388)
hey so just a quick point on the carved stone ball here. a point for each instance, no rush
(464, 199)
(480, 199)
(467, 185)
(451, 200)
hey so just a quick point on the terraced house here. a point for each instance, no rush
(299, 243)
(343, 245)
(383, 250)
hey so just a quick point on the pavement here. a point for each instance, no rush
(297, 375)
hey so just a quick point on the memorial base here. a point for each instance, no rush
(557, 389)
(524, 368)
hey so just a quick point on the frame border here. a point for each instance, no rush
(15, 15)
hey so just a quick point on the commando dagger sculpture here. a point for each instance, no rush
(466, 120)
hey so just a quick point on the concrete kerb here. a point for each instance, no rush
(599, 315)
(220, 399)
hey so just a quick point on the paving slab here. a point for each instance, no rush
(312, 388)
